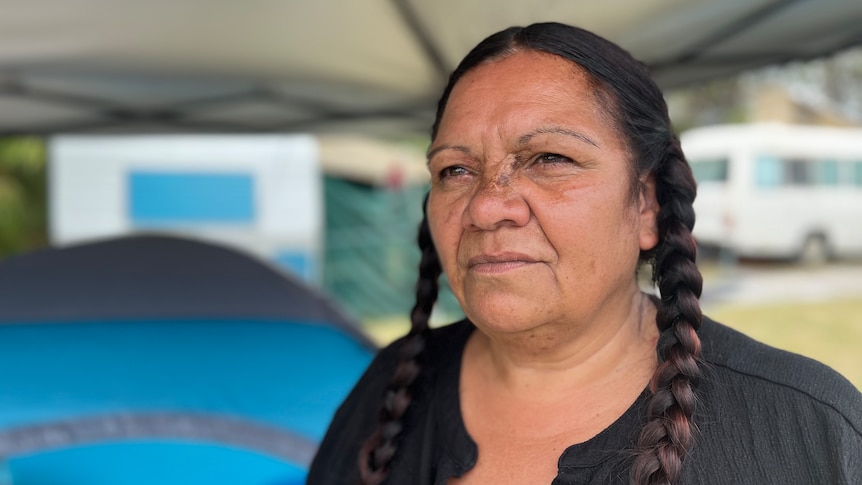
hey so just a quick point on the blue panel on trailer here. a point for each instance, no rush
(298, 263)
(170, 198)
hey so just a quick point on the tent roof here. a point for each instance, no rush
(328, 65)
(231, 361)
(155, 276)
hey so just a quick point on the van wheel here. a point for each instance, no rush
(815, 251)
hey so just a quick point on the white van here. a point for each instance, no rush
(778, 191)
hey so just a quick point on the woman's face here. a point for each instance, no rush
(530, 206)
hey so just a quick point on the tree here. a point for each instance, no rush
(23, 201)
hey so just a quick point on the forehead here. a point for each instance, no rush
(523, 89)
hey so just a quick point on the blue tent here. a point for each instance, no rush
(151, 359)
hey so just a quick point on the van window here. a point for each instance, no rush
(709, 170)
(772, 171)
(857, 179)
(768, 171)
(798, 172)
(826, 172)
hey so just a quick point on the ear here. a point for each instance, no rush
(649, 207)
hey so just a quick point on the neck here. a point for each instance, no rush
(567, 358)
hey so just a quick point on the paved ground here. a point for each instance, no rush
(753, 283)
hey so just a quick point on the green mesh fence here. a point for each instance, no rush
(371, 258)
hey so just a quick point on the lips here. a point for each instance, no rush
(499, 263)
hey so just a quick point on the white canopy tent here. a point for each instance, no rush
(361, 66)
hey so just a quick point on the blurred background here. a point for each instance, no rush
(294, 133)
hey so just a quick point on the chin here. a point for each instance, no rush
(507, 314)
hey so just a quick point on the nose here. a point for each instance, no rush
(497, 202)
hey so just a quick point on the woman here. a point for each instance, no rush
(554, 174)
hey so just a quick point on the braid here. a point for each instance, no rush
(667, 436)
(379, 449)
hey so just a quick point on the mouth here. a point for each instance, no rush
(499, 263)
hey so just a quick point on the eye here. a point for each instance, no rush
(552, 158)
(453, 171)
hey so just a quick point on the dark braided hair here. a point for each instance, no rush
(632, 99)
(668, 433)
(380, 447)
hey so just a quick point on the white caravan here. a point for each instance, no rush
(261, 193)
(778, 191)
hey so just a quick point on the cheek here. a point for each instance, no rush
(446, 235)
(594, 233)
(445, 230)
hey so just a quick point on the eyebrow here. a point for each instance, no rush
(523, 140)
(439, 149)
(557, 130)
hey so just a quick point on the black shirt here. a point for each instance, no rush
(765, 416)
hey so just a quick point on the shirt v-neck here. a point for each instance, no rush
(607, 453)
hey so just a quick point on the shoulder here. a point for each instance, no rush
(439, 346)
(776, 416)
(447, 342)
(743, 364)
(356, 418)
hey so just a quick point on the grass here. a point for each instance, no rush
(384, 330)
(830, 332)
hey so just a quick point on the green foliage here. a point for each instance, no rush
(23, 196)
